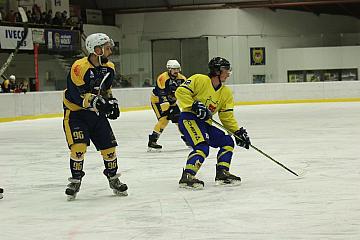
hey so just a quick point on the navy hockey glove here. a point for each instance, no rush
(174, 114)
(115, 111)
(100, 105)
(242, 139)
(201, 110)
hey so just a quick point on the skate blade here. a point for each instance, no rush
(195, 186)
(119, 193)
(71, 197)
(229, 184)
(153, 149)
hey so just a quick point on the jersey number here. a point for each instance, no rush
(78, 135)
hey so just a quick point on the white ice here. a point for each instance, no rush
(319, 141)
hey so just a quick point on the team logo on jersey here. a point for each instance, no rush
(77, 70)
(104, 70)
(92, 75)
(212, 105)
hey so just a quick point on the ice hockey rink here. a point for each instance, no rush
(319, 141)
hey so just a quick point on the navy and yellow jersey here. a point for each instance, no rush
(83, 82)
(165, 88)
(220, 100)
(6, 86)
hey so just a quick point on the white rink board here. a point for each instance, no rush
(37, 103)
(319, 141)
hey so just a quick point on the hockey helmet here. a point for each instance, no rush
(173, 64)
(12, 77)
(217, 64)
(97, 39)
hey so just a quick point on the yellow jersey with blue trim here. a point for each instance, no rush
(84, 80)
(219, 100)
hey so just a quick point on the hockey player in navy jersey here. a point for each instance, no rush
(163, 101)
(88, 104)
(200, 97)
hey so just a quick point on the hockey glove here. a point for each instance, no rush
(165, 106)
(174, 114)
(115, 111)
(242, 139)
(172, 99)
(201, 111)
(100, 105)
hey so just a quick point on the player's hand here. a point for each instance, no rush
(242, 139)
(201, 110)
(114, 113)
(100, 104)
(165, 106)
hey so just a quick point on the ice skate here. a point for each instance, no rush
(186, 142)
(118, 187)
(152, 144)
(224, 177)
(72, 188)
(189, 181)
(1, 193)
(154, 147)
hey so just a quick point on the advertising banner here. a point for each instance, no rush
(10, 36)
(38, 35)
(61, 40)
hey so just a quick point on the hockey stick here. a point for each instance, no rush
(102, 82)
(19, 44)
(266, 155)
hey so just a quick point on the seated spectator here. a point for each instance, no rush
(48, 18)
(57, 20)
(146, 83)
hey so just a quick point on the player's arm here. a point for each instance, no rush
(162, 84)
(185, 94)
(226, 113)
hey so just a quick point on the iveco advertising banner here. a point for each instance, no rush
(10, 36)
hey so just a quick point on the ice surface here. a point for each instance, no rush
(318, 141)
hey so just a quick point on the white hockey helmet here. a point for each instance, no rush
(97, 39)
(12, 77)
(171, 64)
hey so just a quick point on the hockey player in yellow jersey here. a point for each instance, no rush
(163, 101)
(88, 104)
(200, 97)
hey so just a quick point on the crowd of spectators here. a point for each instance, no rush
(36, 16)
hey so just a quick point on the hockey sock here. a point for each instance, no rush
(196, 158)
(224, 157)
(110, 161)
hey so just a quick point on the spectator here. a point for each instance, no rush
(57, 20)
(10, 17)
(64, 16)
(43, 18)
(2, 14)
(48, 18)
(146, 83)
(17, 17)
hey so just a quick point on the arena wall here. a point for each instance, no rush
(19, 106)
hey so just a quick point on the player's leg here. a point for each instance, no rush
(225, 143)
(104, 140)
(1, 193)
(161, 114)
(195, 132)
(110, 171)
(77, 137)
